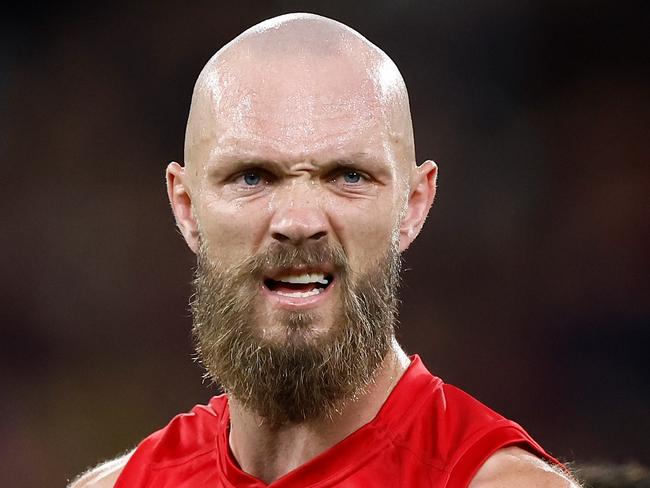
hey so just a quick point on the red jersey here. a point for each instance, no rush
(427, 434)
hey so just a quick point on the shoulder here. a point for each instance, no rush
(185, 436)
(514, 467)
(103, 476)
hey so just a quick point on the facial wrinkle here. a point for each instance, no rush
(257, 67)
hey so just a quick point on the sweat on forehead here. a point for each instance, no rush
(290, 78)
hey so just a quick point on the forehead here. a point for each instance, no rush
(296, 107)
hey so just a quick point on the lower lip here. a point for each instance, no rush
(297, 303)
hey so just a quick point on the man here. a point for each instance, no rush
(298, 194)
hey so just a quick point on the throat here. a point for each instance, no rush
(275, 452)
(269, 452)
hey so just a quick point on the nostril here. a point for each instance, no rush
(279, 237)
(318, 235)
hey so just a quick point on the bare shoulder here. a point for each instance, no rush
(514, 467)
(103, 476)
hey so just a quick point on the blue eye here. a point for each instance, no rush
(352, 177)
(252, 179)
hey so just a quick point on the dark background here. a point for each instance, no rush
(527, 287)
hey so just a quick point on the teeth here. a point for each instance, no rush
(300, 294)
(304, 278)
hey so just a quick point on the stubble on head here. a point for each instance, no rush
(300, 377)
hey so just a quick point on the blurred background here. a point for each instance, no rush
(527, 288)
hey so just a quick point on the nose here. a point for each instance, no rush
(297, 227)
(298, 222)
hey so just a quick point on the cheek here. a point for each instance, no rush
(231, 230)
(364, 230)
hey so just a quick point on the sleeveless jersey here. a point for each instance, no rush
(427, 434)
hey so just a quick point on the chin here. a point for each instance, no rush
(297, 328)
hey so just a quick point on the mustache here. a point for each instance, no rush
(279, 255)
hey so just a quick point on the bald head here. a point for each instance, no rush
(299, 130)
(294, 81)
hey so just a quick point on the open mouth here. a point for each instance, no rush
(295, 284)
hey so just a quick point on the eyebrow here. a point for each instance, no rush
(227, 164)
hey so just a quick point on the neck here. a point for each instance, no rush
(269, 452)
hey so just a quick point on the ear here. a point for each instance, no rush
(422, 193)
(181, 202)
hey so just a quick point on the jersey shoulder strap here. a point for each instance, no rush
(188, 436)
(475, 432)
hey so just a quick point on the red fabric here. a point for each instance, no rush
(427, 434)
